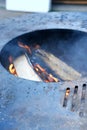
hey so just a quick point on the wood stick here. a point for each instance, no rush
(60, 68)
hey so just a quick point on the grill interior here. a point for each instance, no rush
(61, 52)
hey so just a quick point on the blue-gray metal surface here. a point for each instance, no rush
(27, 105)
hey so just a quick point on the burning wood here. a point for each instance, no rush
(39, 68)
(25, 69)
(52, 77)
(25, 47)
(44, 75)
(64, 71)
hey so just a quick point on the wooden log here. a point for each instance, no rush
(44, 74)
(64, 71)
(24, 69)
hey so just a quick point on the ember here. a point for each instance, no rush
(44, 75)
(67, 92)
(66, 97)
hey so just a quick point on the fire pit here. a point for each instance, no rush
(51, 55)
(43, 73)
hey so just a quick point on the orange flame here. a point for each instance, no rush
(52, 78)
(12, 69)
(24, 46)
(39, 68)
(44, 75)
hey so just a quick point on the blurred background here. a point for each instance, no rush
(69, 5)
(56, 5)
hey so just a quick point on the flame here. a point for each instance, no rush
(12, 69)
(67, 92)
(53, 78)
(24, 46)
(44, 75)
(39, 68)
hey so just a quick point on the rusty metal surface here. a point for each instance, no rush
(39, 106)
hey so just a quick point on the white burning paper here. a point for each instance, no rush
(24, 69)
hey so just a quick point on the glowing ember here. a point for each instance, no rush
(12, 69)
(67, 92)
(25, 47)
(44, 75)
(39, 68)
(53, 78)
